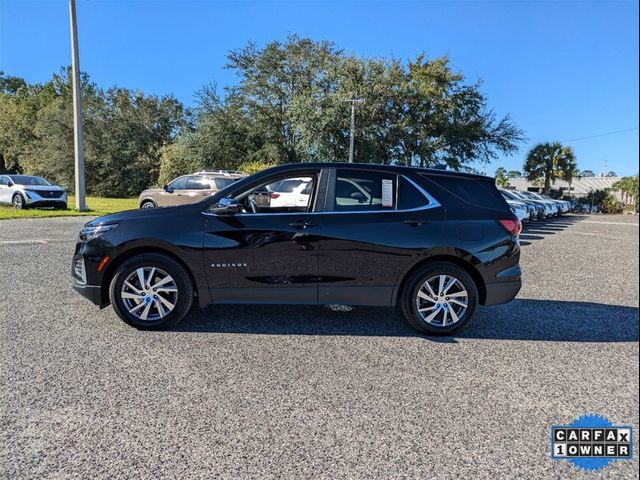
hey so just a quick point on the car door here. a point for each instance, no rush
(264, 254)
(171, 194)
(377, 224)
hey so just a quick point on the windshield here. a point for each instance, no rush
(509, 195)
(28, 180)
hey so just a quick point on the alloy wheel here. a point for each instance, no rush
(149, 293)
(442, 300)
(18, 203)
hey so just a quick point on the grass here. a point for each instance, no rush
(97, 206)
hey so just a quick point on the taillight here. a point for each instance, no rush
(275, 195)
(511, 225)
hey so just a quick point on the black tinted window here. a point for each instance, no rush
(364, 190)
(469, 191)
(409, 196)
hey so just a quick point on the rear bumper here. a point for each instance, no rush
(502, 292)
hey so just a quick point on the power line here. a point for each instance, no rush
(600, 135)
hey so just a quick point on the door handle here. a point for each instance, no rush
(302, 224)
(415, 222)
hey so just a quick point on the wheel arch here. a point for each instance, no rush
(132, 252)
(147, 199)
(461, 262)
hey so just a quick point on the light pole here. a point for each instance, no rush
(77, 112)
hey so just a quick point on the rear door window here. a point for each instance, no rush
(364, 190)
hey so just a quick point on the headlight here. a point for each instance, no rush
(91, 232)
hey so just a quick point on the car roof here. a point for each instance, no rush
(373, 166)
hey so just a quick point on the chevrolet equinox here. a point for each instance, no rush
(433, 243)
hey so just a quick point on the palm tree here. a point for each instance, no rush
(548, 161)
(569, 171)
(501, 178)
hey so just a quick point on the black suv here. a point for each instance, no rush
(434, 243)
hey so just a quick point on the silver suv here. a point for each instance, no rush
(23, 191)
(188, 188)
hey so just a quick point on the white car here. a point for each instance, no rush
(519, 210)
(292, 192)
(23, 191)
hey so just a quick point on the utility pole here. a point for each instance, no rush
(352, 130)
(77, 112)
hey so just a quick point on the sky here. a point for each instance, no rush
(564, 71)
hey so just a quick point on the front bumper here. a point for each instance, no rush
(90, 292)
(47, 203)
(82, 283)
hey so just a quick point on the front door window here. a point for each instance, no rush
(281, 195)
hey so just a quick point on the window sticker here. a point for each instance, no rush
(387, 192)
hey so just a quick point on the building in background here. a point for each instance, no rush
(580, 187)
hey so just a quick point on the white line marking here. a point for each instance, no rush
(601, 236)
(23, 242)
(610, 223)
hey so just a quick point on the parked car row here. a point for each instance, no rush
(528, 206)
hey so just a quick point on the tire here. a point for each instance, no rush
(61, 207)
(18, 202)
(416, 283)
(136, 299)
(148, 204)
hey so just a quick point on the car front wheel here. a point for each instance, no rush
(439, 298)
(18, 202)
(151, 292)
(148, 204)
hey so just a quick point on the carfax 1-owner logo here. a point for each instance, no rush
(591, 442)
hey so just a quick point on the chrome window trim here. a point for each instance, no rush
(433, 203)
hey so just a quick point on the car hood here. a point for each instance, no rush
(141, 214)
(149, 191)
(46, 188)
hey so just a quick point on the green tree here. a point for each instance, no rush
(502, 180)
(514, 174)
(628, 188)
(588, 173)
(569, 170)
(612, 174)
(548, 161)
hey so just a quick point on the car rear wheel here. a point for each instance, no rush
(151, 292)
(18, 202)
(439, 298)
(148, 204)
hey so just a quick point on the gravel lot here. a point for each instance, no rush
(299, 392)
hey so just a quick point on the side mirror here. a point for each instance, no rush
(226, 207)
(167, 188)
(359, 197)
(10, 184)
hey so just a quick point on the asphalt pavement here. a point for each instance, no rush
(312, 392)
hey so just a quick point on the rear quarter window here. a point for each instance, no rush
(470, 191)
